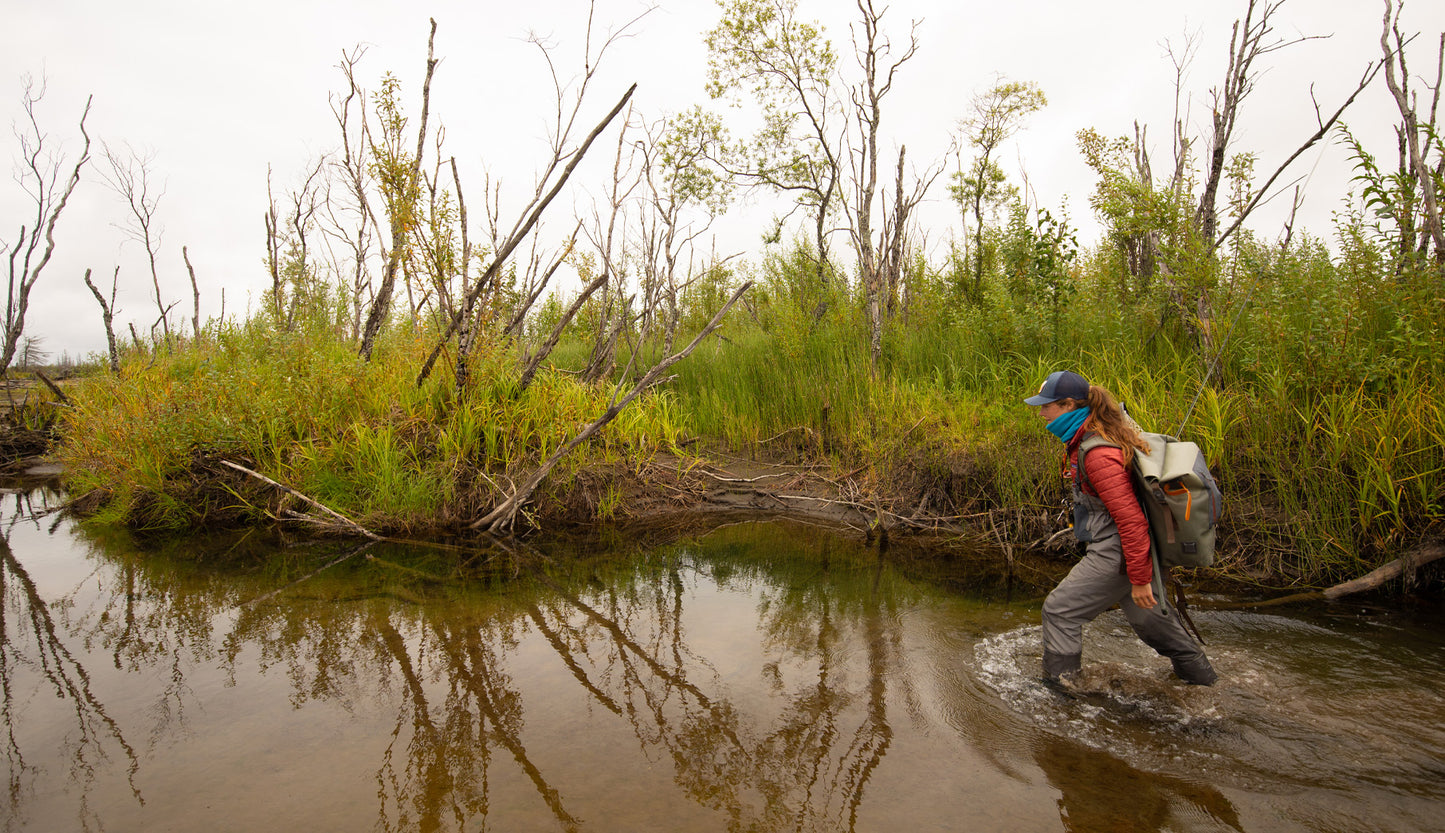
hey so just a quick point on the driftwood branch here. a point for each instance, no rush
(501, 517)
(54, 388)
(342, 520)
(1370, 581)
(1390, 571)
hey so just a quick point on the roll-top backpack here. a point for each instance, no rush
(1179, 495)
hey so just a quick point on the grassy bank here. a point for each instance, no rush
(1329, 469)
(360, 437)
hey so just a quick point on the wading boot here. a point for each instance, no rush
(1057, 665)
(1195, 670)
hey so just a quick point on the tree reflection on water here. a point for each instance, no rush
(439, 645)
(34, 654)
(761, 677)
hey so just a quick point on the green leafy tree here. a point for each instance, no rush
(1037, 259)
(1144, 223)
(995, 116)
(787, 67)
(398, 173)
(685, 192)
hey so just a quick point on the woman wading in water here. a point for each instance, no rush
(1116, 567)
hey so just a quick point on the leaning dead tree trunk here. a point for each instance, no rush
(534, 360)
(501, 518)
(39, 172)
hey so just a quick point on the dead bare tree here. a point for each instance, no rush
(615, 315)
(273, 252)
(195, 294)
(107, 315)
(873, 53)
(305, 202)
(558, 171)
(893, 237)
(39, 173)
(130, 177)
(1250, 41)
(555, 174)
(1239, 78)
(355, 233)
(468, 331)
(1251, 38)
(1411, 128)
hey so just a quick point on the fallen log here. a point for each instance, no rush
(1396, 568)
(1375, 578)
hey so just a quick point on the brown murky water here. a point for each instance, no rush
(761, 677)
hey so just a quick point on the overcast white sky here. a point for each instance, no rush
(217, 91)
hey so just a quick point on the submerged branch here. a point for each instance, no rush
(344, 521)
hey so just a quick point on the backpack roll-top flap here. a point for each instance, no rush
(1151, 466)
(1179, 459)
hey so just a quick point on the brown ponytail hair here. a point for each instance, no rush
(1109, 421)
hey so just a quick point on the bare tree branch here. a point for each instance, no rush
(519, 233)
(504, 514)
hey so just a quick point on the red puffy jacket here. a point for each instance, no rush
(1109, 481)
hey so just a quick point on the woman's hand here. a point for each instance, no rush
(1143, 596)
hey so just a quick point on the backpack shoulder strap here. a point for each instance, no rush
(1091, 441)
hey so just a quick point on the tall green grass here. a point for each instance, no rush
(360, 437)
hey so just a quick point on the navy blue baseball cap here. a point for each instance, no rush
(1061, 384)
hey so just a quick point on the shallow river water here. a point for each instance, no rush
(764, 676)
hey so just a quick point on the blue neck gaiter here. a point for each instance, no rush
(1065, 424)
